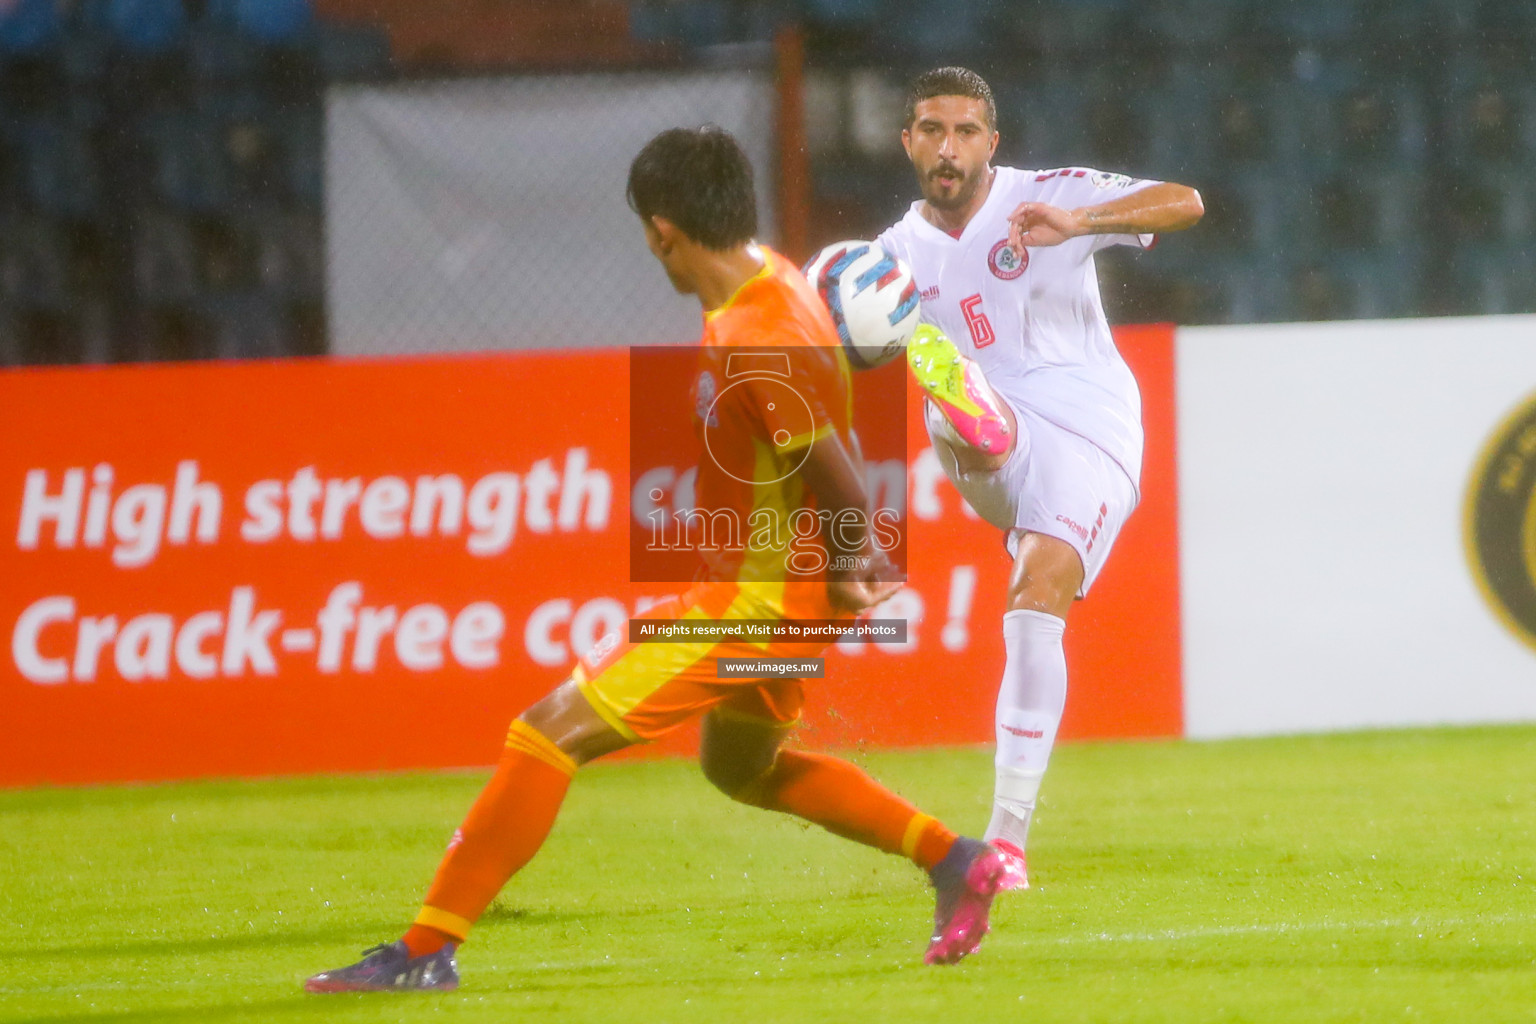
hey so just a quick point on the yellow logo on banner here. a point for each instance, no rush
(1500, 521)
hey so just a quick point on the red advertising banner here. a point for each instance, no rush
(310, 566)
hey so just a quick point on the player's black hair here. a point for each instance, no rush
(700, 180)
(952, 81)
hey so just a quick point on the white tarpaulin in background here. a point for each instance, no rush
(490, 214)
(1324, 478)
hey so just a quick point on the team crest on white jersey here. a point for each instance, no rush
(1007, 263)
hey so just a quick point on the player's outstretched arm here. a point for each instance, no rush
(860, 576)
(1154, 210)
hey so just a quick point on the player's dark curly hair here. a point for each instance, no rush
(700, 180)
(951, 81)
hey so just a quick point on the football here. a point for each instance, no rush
(871, 296)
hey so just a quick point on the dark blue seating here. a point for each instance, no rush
(34, 264)
(282, 22)
(220, 56)
(301, 131)
(845, 12)
(703, 23)
(1379, 282)
(10, 338)
(30, 26)
(188, 159)
(147, 27)
(933, 30)
(165, 260)
(245, 325)
(351, 52)
(59, 166)
(289, 255)
(161, 173)
(83, 57)
(1493, 277)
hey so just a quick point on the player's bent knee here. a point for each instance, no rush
(1050, 599)
(1047, 574)
(734, 758)
(732, 777)
(736, 772)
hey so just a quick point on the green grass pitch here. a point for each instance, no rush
(1368, 877)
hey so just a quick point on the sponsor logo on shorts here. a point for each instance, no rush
(1080, 530)
(1499, 524)
(1083, 532)
(1005, 262)
(929, 294)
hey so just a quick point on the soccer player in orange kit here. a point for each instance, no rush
(692, 189)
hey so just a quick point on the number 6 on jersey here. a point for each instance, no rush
(976, 320)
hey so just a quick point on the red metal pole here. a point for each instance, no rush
(794, 160)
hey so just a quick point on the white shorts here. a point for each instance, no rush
(1055, 482)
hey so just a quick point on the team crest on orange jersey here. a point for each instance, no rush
(1006, 263)
(704, 400)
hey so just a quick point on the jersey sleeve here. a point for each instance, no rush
(1072, 187)
(893, 242)
(791, 392)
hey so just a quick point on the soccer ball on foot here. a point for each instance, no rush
(871, 296)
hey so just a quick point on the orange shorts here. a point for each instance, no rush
(645, 690)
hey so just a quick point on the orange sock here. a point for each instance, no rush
(503, 830)
(840, 798)
(420, 940)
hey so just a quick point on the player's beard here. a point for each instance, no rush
(964, 191)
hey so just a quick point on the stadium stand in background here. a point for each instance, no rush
(1358, 158)
(160, 176)
(161, 161)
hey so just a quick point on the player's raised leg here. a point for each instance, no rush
(744, 758)
(505, 827)
(957, 386)
(1047, 575)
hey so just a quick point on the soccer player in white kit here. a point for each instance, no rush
(1032, 412)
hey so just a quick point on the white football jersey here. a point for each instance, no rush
(1034, 321)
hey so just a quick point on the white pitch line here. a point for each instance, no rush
(1426, 925)
(1166, 935)
(1279, 928)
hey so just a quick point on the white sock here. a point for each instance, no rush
(1029, 705)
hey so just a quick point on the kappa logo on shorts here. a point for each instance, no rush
(1005, 262)
(1082, 531)
(1499, 524)
(1074, 526)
